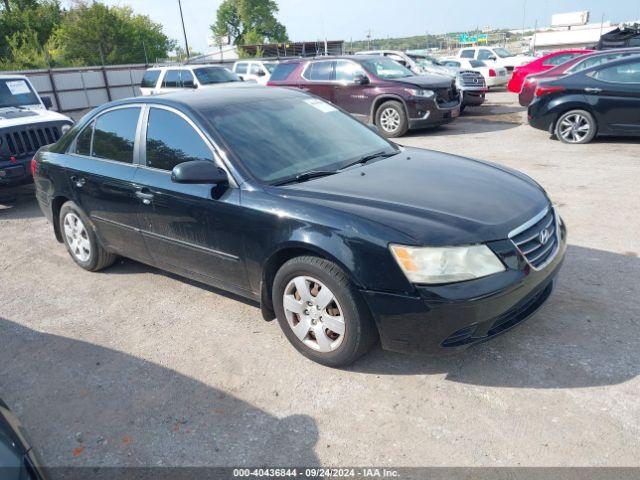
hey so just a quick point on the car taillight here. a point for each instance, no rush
(542, 90)
(34, 165)
(492, 72)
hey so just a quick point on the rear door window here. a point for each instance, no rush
(320, 71)
(150, 79)
(171, 79)
(186, 79)
(114, 134)
(626, 73)
(171, 141)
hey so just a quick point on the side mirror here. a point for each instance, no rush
(199, 171)
(48, 104)
(492, 58)
(360, 79)
(261, 73)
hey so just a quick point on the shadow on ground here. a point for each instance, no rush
(111, 409)
(19, 202)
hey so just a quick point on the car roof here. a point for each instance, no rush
(188, 67)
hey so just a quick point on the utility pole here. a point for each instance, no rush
(524, 16)
(184, 31)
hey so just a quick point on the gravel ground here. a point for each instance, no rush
(135, 367)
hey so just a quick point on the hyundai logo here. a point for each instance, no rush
(544, 236)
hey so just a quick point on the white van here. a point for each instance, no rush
(254, 70)
(169, 79)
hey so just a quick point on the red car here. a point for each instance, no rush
(574, 65)
(540, 65)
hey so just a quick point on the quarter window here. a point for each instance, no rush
(171, 141)
(83, 141)
(114, 134)
(171, 79)
(320, 71)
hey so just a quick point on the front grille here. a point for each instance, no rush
(538, 240)
(447, 96)
(471, 78)
(27, 141)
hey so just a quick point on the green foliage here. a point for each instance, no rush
(249, 22)
(25, 52)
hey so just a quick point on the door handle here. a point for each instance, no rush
(78, 181)
(593, 90)
(144, 196)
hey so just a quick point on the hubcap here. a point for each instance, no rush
(77, 238)
(313, 313)
(390, 119)
(574, 128)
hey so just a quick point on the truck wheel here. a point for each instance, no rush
(391, 119)
(81, 241)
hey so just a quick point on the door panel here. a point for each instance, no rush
(356, 99)
(619, 97)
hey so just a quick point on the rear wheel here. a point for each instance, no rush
(391, 119)
(576, 127)
(81, 241)
(321, 313)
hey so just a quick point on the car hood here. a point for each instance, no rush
(12, 117)
(426, 81)
(430, 198)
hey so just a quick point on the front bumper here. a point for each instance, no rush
(427, 113)
(447, 318)
(473, 98)
(15, 172)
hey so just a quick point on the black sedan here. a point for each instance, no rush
(603, 100)
(282, 198)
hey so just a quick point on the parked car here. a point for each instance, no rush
(602, 100)
(375, 90)
(493, 76)
(468, 81)
(496, 56)
(169, 79)
(574, 65)
(18, 459)
(254, 70)
(540, 65)
(26, 124)
(280, 197)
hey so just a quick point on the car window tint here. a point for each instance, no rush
(485, 55)
(150, 79)
(626, 73)
(467, 54)
(595, 61)
(186, 79)
(320, 71)
(83, 141)
(171, 141)
(452, 64)
(347, 71)
(171, 79)
(115, 133)
(559, 59)
(241, 68)
(283, 71)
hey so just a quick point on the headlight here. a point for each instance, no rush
(418, 92)
(65, 128)
(435, 265)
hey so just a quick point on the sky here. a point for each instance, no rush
(352, 19)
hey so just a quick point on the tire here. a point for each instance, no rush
(462, 107)
(576, 127)
(392, 114)
(81, 241)
(309, 330)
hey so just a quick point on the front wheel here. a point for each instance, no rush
(576, 127)
(391, 119)
(321, 313)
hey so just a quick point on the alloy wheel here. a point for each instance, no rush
(77, 237)
(390, 120)
(574, 128)
(314, 314)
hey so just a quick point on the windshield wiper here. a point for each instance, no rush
(303, 177)
(368, 158)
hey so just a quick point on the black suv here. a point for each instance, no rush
(376, 90)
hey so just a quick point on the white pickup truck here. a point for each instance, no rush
(498, 56)
(26, 124)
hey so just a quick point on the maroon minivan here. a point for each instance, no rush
(376, 90)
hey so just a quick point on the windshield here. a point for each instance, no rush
(319, 137)
(386, 68)
(17, 92)
(503, 52)
(427, 61)
(270, 66)
(207, 76)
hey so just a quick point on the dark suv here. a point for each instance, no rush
(376, 90)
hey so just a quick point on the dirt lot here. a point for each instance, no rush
(135, 367)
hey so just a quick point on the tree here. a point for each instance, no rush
(92, 34)
(249, 22)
